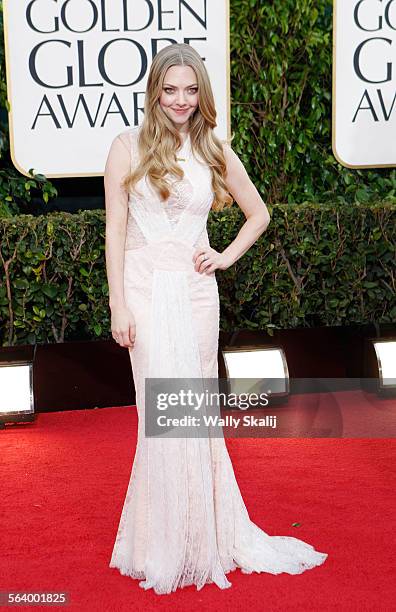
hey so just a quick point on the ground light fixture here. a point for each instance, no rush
(16, 386)
(257, 369)
(385, 352)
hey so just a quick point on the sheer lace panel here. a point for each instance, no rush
(182, 196)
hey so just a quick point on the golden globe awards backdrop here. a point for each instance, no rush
(77, 73)
(364, 83)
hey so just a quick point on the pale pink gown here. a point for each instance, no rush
(184, 520)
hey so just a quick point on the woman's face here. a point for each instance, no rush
(179, 93)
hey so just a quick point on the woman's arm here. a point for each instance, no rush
(257, 216)
(249, 200)
(116, 201)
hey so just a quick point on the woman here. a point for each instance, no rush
(183, 521)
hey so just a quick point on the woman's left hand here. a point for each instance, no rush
(207, 260)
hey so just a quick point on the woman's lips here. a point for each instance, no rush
(180, 111)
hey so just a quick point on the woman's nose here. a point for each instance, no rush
(180, 98)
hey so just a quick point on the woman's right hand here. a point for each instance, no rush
(123, 326)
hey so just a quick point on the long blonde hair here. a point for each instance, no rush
(159, 139)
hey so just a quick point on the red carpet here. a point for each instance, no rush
(64, 480)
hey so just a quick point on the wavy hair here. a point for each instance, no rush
(159, 139)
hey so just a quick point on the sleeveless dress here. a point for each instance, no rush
(184, 520)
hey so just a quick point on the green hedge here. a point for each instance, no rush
(281, 70)
(326, 264)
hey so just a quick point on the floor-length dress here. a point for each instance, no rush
(183, 520)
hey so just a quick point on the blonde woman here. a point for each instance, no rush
(184, 521)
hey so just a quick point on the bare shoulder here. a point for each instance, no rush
(227, 149)
(236, 170)
(122, 143)
(119, 154)
(126, 137)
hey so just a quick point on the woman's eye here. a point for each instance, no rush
(170, 91)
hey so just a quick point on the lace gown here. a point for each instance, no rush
(183, 520)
